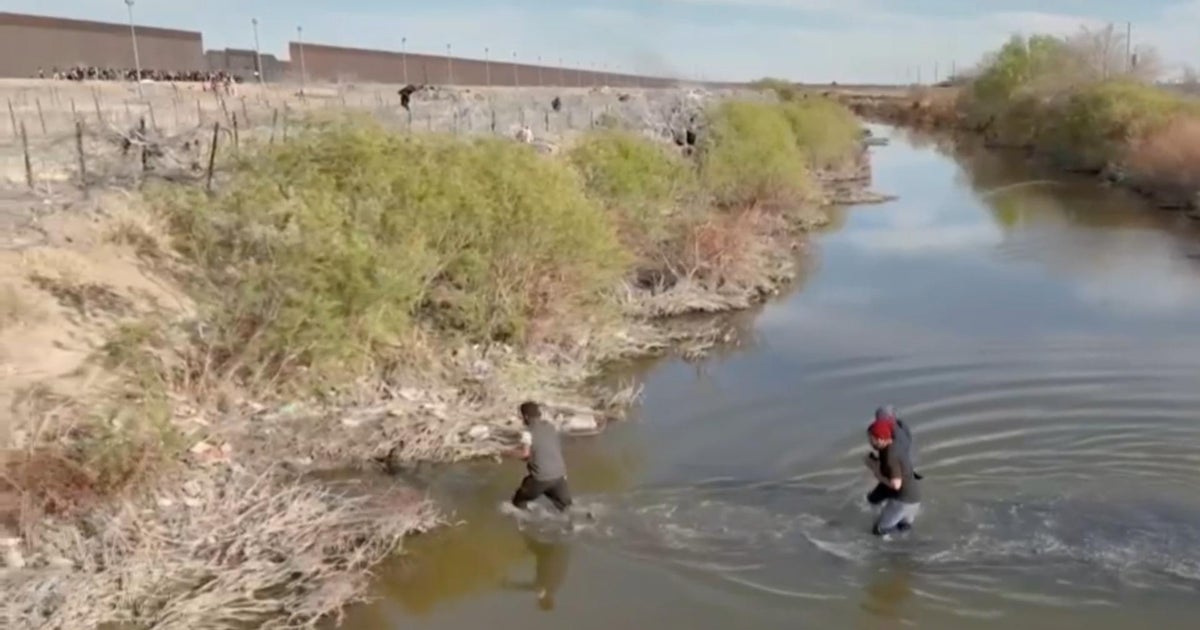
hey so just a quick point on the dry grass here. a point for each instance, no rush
(230, 550)
(1169, 155)
(87, 299)
(723, 262)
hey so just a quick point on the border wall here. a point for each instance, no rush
(30, 42)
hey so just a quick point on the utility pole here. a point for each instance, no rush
(257, 52)
(487, 65)
(303, 69)
(540, 71)
(404, 57)
(1128, 46)
(516, 79)
(137, 60)
(449, 66)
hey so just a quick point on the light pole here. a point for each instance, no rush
(487, 66)
(303, 70)
(137, 60)
(449, 66)
(1128, 46)
(257, 52)
(516, 79)
(404, 57)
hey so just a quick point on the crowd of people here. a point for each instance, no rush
(214, 80)
(93, 73)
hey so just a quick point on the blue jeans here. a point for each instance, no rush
(896, 515)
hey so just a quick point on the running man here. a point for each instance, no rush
(541, 448)
(898, 488)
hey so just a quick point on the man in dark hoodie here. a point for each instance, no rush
(898, 489)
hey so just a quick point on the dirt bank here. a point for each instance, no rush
(165, 467)
(925, 109)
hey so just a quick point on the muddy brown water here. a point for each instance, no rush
(1041, 337)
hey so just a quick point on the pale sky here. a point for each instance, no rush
(804, 40)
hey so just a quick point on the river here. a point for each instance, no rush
(1041, 337)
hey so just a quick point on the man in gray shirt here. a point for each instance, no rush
(541, 448)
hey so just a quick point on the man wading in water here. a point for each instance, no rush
(891, 462)
(541, 449)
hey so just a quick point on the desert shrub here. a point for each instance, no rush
(784, 89)
(749, 156)
(322, 253)
(129, 433)
(1022, 64)
(1078, 100)
(1170, 154)
(1095, 123)
(826, 132)
(640, 181)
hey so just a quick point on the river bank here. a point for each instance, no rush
(1052, 99)
(352, 298)
(1039, 334)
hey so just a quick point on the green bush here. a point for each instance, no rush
(1069, 98)
(785, 90)
(826, 132)
(323, 252)
(1021, 64)
(749, 156)
(1096, 123)
(640, 181)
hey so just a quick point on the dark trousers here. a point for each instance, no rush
(880, 494)
(555, 489)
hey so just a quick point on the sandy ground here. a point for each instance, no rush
(64, 283)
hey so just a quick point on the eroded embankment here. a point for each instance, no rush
(357, 298)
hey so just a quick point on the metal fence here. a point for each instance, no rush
(80, 136)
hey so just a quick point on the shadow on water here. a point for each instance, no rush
(551, 559)
(1041, 335)
(889, 590)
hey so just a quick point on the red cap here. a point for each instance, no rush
(881, 429)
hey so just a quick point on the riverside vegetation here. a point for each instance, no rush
(1079, 103)
(358, 297)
